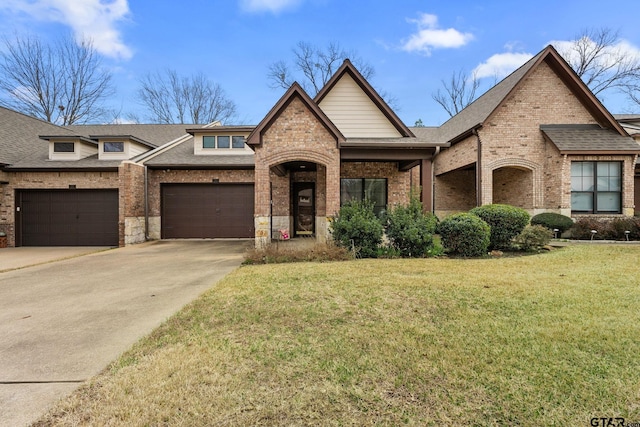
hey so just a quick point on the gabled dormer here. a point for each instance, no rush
(120, 147)
(66, 148)
(221, 140)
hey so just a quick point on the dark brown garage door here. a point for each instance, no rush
(207, 211)
(67, 217)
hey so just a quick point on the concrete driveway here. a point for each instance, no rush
(62, 322)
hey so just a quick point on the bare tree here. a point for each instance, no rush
(459, 92)
(170, 98)
(62, 83)
(602, 61)
(316, 65)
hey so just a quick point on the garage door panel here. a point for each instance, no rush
(207, 211)
(69, 217)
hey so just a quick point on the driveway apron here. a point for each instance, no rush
(62, 322)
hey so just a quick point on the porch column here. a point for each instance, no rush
(333, 200)
(262, 206)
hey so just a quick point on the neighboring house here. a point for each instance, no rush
(631, 124)
(539, 140)
(69, 186)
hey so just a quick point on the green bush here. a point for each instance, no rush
(465, 234)
(410, 230)
(533, 237)
(357, 228)
(506, 222)
(553, 221)
(606, 229)
(618, 226)
(582, 228)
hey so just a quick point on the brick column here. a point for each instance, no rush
(262, 208)
(131, 197)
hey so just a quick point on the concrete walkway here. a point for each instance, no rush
(62, 322)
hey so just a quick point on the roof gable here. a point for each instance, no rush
(295, 91)
(348, 91)
(478, 112)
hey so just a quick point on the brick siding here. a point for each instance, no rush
(518, 166)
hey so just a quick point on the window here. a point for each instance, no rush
(63, 147)
(374, 189)
(596, 187)
(237, 141)
(223, 141)
(114, 147)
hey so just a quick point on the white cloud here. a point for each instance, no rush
(501, 64)
(429, 36)
(93, 19)
(273, 6)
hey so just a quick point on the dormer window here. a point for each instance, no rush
(223, 142)
(237, 142)
(114, 147)
(63, 147)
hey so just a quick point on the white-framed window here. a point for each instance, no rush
(596, 187)
(114, 147)
(64, 147)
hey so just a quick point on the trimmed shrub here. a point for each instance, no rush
(618, 226)
(506, 222)
(533, 237)
(553, 221)
(410, 230)
(357, 228)
(581, 229)
(606, 229)
(465, 234)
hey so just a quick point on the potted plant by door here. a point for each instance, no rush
(3, 239)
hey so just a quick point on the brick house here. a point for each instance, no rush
(539, 139)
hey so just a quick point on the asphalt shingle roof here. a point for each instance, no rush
(575, 138)
(40, 160)
(19, 135)
(480, 109)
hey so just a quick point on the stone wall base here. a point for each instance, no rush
(134, 230)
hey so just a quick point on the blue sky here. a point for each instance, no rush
(411, 44)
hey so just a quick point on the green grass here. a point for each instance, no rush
(550, 339)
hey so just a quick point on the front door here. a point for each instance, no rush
(304, 211)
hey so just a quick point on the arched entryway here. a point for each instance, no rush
(298, 199)
(514, 182)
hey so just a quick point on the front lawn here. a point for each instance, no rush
(551, 339)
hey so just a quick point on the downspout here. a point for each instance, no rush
(433, 180)
(146, 204)
(474, 131)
